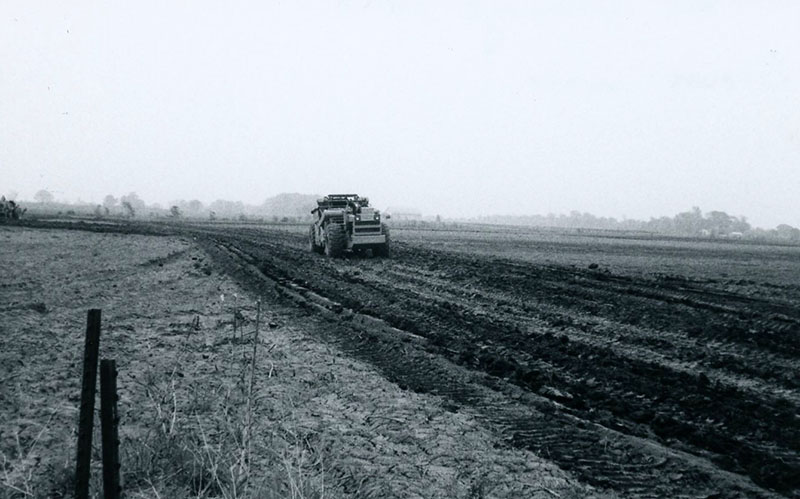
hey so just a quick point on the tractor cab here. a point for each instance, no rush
(348, 202)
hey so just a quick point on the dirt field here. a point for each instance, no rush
(321, 423)
(669, 370)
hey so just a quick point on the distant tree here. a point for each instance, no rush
(740, 224)
(194, 207)
(43, 197)
(689, 222)
(130, 211)
(109, 201)
(720, 222)
(134, 201)
(785, 231)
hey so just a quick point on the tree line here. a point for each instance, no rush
(714, 224)
(296, 207)
(283, 207)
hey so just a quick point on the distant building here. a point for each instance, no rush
(400, 213)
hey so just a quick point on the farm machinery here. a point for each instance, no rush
(346, 222)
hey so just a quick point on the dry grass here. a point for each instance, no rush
(190, 439)
(212, 440)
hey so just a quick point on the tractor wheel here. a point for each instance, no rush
(335, 240)
(383, 249)
(312, 243)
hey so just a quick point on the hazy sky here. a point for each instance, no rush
(633, 109)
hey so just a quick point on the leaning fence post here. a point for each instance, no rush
(88, 389)
(109, 421)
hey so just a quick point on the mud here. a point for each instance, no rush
(323, 422)
(650, 384)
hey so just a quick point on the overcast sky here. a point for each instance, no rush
(633, 109)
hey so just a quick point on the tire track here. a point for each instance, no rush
(599, 455)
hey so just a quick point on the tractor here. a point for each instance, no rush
(346, 222)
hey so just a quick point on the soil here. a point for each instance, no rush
(324, 424)
(641, 377)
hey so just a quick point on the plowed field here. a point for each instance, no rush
(670, 368)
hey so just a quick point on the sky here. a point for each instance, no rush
(624, 109)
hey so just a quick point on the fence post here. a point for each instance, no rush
(109, 421)
(88, 389)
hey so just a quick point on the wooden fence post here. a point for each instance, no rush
(109, 421)
(88, 389)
